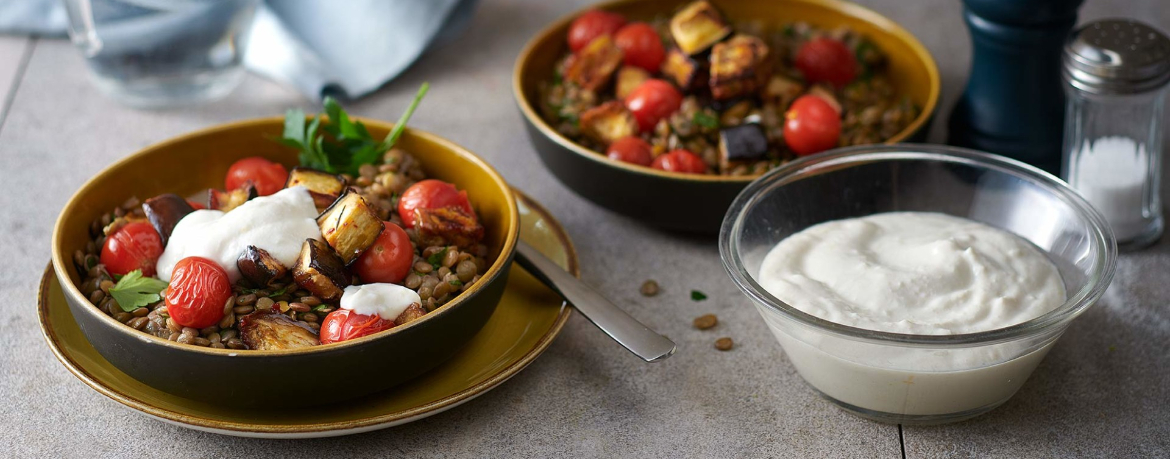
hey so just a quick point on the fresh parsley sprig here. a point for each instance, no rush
(341, 144)
(134, 291)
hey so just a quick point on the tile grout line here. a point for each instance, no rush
(902, 441)
(21, 69)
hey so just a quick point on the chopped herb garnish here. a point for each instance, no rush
(436, 259)
(341, 144)
(321, 307)
(134, 291)
(456, 282)
(705, 120)
(698, 296)
(278, 292)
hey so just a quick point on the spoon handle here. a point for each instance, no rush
(616, 323)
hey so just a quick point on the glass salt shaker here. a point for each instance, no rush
(1115, 73)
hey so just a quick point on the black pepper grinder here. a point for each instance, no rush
(1014, 103)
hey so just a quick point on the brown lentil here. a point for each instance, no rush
(650, 288)
(140, 312)
(247, 300)
(311, 301)
(243, 310)
(123, 317)
(200, 341)
(423, 267)
(299, 307)
(264, 303)
(724, 344)
(235, 343)
(706, 321)
(138, 323)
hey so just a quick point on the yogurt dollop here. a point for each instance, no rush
(913, 272)
(384, 300)
(278, 223)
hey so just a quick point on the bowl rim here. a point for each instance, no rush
(1101, 235)
(61, 263)
(527, 107)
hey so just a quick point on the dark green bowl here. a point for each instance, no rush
(319, 374)
(688, 202)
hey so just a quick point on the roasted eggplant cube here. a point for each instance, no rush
(741, 144)
(258, 266)
(413, 312)
(447, 226)
(228, 200)
(164, 212)
(740, 67)
(269, 331)
(608, 122)
(628, 79)
(323, 186)
(593, 66)
(350, 226)
(782, 90)
(698, 26)
(688, 72)
(320, 271)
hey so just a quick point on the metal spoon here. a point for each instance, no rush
(616, 323)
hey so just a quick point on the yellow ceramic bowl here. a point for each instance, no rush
(692, 202)
(200, 160)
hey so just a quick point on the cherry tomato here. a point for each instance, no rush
(592, 24)
(431, 194)
(652, 101)
(811, 125)
(632, 150)
(344, 324)
(389, 259)
(826, 59)
(134, 246)
(267, 176)
(680, 161)
(641, 46)
(198, 290)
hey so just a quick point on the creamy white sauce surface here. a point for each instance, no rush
(278, 223)
(913, 272)
(386, 300)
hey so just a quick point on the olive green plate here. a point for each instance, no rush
(527, 319)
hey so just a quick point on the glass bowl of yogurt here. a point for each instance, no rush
(916, 283)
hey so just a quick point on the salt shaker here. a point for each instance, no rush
(1115, 74)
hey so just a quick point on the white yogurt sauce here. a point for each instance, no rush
(912, 272)
(386, 300)
(278, 223)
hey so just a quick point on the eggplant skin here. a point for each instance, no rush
(320, 271)
(258, 266)
(324, 187)
(592, 66)
(350, 225)
(270, 331)
(609, 122)
(164, 212)
(412, 313)
(741, 144)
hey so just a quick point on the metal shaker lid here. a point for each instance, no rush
(1117, 56)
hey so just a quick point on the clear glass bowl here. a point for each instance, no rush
(903, 378)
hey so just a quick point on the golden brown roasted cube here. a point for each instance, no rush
(413, 312)
(350, 226)
(608, 122)
(628, 79)
(739, 67)
(782, 91)
(593, 66)
(698, 26)
(685, 71)
(323, 186)
(447, 226)
(273, 331)
(320, 271)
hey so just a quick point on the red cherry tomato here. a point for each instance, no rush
(811, 125)
(198, 290)
(592, 24)
(641, 46)
(134, 246)
(652, 101)
(389, 259)
(267, 176)
(431, 194)
(828, 60)
(344, 324)
(632, 150)
(680, 161)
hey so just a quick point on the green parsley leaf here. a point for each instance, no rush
(134, 291)
(278, 292)
(436, 259)
(320, 307)
(705, 120)
(401, 124)
(698, 296)
(456, 282)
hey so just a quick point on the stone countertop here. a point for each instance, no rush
(1102, 391)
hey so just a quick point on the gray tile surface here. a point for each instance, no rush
(1102, 391)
